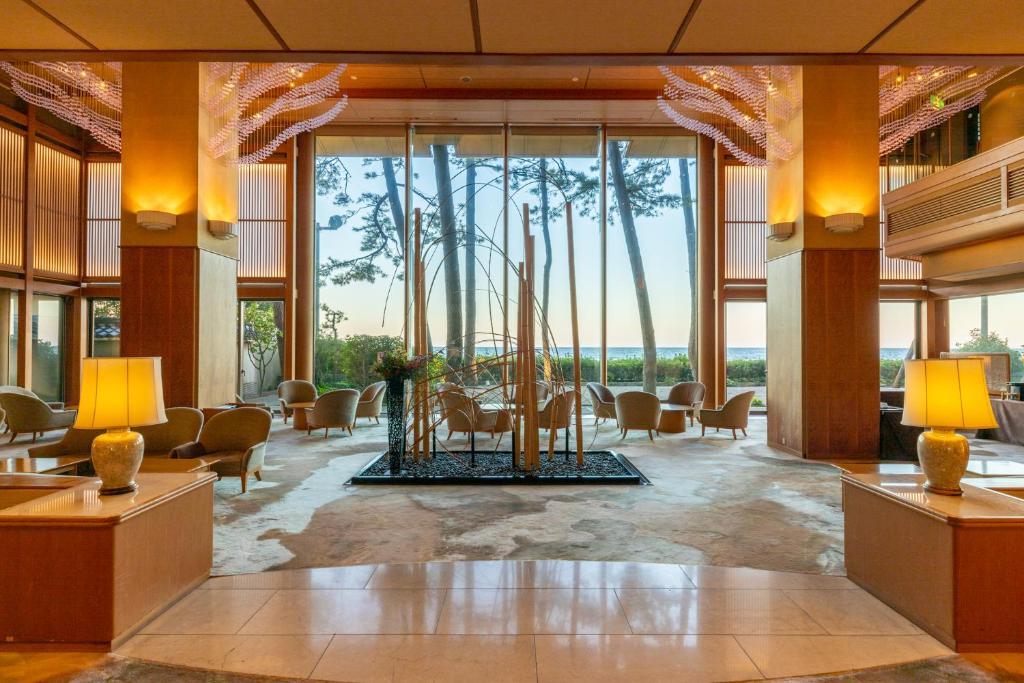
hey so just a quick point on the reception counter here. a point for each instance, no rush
(950, 564)
(85, 571)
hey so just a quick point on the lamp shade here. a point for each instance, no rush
(947, 393)
(120, 392)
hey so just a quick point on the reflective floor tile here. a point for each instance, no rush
(553, 610)
(223, 611)
(852, 613)
(745, 577)
(778, 656)
(288, 656)
(348, 611)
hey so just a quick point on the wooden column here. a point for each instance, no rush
(288, 362)
(178, 286)
(305, 255)
(823, 286)
(934, 332)
(707, 326)
(24, 360)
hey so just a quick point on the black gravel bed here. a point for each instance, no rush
(495, 467)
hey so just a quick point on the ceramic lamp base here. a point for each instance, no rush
(116, 457)
(943, 456)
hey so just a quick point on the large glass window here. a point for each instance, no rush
(8, 337)
(360, 222)
(104, 327)
(746, 335)
(896, 340)
(48, 347)
(990, 324)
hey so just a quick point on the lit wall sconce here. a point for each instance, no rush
(844, 222)
(777, 232)
(222, 230)
(156, 220)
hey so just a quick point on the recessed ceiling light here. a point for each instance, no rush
(575, 79)
(354, 77)
(466, 79)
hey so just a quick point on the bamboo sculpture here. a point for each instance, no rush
(576, 364)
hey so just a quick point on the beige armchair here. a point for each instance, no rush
(687, 394)
(237, 439)
(294, 391)
(371, 401)
(464, 416)
(602, 400)
(182, 427)
(27, 414)
(334, 409)
(14, 389)
(557, 411)
(733, 415)
(637, 410)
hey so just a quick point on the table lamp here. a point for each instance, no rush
(118, 394)
(945, 395)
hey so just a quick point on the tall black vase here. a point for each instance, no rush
(396, 424)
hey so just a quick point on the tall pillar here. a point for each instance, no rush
(305, 255)
(1002, 112)
(707, 324)
(178, 286)
(823, 286)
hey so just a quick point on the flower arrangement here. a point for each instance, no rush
(397, 365)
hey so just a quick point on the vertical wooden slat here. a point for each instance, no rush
(12, 197)
(262, 211)
(57, 216)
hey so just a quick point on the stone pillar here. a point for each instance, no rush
(823, 390)
(1002, 112)
(305, 256)
(178, 286)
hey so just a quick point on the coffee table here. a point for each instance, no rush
(299, 415)
(995, 468)
(26, 465)
(673, 418)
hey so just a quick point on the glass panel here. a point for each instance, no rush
(48, 347)
(105, 327)
(652, 249)
(990, 324)
(360, 218)
(8, 337)
(547, 168)
(896, 339)
(746, 335)
(262, 340)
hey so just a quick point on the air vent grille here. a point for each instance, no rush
(981, 195)
(1015, 183)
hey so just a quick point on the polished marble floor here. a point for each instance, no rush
(530, 621)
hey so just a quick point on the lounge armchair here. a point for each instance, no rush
(371, 401)
(637, 410)
(687, 394)
(557, 411)
(602, 400)
(182, 427)
(465, 416)
(237, 439)
(14, 389)
(27, 414)
(334, 409)
(733, 415)
(294, 391)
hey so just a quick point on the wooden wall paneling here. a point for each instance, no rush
(785, 353)
(57, 178)
(988, 607)
(24, 374)
(77, 338)
(706, 283)
(12, 197)
(217, 362)
(159, 314)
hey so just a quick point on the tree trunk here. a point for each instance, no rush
(470, 335)
(690, 233)
(450, 249)
(395, 202)
(636, 263)
(984, 318)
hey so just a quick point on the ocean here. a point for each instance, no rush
(732, 352)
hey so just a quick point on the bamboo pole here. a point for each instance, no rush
(421, 286)
(576, 364)
(417, 338)
(533, 439)
(519, 386)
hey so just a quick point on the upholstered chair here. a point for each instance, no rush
(371, 401)
(733, 415)
(464, 415)
(74, 443)
(182, 427)
(30, 415)
(543, 391)
(687, 394)
(637, 410)
(294, 391)
(14, 389)
(557, 411)
(334, 409)
(237, 439)
(602, 400)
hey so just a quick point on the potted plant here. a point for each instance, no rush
(396, 367)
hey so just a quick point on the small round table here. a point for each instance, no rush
(673, 418)
(299, 414)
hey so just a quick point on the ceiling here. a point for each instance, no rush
(515, 32)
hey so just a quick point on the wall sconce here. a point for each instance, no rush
(777, 232)
(844, 222)
(156, 220)
(222, 230)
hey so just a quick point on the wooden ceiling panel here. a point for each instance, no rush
(574, 26)
(27, 29)
(164, 24)
(565, 112)
(788, 26)
(958, 27)
(377, 26)
(505, 77)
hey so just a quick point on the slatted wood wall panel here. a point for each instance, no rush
(57, 213)
(12, 197)
(745, 222)
(891, 178)
(103, 221)
(261, 220)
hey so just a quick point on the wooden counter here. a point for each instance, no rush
(84, 571)
(950, 564)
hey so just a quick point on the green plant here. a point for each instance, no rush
(993, 343)
(261, 337)
(757, 402)
(394, 365)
